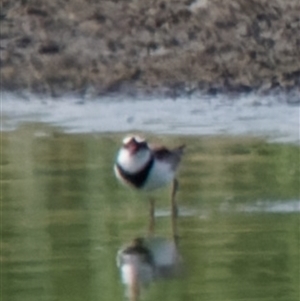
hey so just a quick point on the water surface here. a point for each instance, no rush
(271, 117)
(64, 217)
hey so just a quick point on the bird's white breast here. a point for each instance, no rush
(160, 175)
(133, 163)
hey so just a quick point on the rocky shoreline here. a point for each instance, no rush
(154, 46)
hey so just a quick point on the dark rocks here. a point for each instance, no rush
(49, 48)
(37, 12)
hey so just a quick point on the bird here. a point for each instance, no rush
(146, 167)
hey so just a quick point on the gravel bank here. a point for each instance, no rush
(150, 46)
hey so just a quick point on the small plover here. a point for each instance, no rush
(145, 167)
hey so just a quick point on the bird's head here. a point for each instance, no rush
(134, 144)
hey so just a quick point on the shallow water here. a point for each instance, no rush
(64, 217)
(274, 117)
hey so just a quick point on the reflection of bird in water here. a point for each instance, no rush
(145, 167)
(145, 260)
(137, 268)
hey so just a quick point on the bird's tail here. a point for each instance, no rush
(179, 150)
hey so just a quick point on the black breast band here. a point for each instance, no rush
(136, 179)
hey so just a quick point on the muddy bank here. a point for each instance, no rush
(248, 115)
(164, 46)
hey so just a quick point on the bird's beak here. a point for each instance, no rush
(132, 148)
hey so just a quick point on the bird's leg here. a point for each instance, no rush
(174, 210)
(151, 217)
(134, 290)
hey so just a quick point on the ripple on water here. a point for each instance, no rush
(260, 206)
